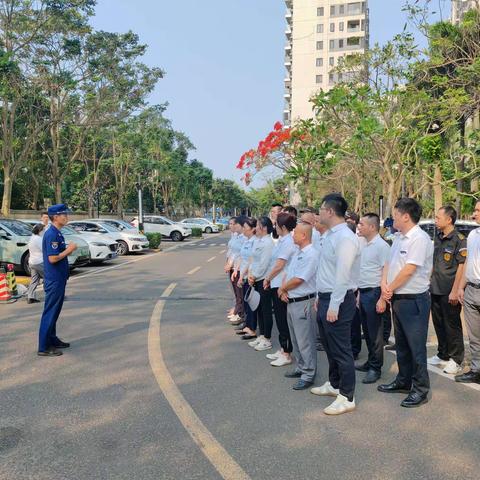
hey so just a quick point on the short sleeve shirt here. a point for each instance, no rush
(54, 244)
(449, 252)
(284, 249)
(304, 266)
(372, 260)
(472, 269)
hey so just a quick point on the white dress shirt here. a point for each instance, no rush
(303, 265)
(261, 255)
(414, 248)
(372, 260)
(284, 249)
(472, 271)
(339, 266)
(35, 249)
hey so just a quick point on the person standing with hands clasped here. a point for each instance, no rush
(405, 283)
(56, 270)
(336, 303)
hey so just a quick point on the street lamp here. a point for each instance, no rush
(140, 205)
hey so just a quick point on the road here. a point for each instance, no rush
(156, 386)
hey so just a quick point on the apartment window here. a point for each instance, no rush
(353, 41)
(340, 43)
(320, 45)
(320, 28)
(363, 7)
(330, 78)
(320, 11)
(332, 10)
(363, 25)
(332, 27)
(341, 9)
(331, 61)
(319, 79)
(354, 8)
(332, 44)
(341, 26)
(340, 77)
(319, 62)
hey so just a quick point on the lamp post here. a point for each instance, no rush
(140, 206)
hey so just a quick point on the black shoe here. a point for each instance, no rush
(371, 377)
(364, 367)
(391, 347)
(241, 332)
(51, 352)
(240, 327)
(292, 374)
(415, 399)
(302, 385)
(468, 377)
(248, 337)
(61, 344)
(32, 300)
(393, 387)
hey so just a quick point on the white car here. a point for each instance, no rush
(128, 240)
(206, 225)
(158, 224)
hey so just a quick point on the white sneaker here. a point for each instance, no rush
(274, 356)
(339, 406)
(234, 318)
(453, 367)
(255, 342)
(263, 345)
(281, 361)
(435, 360)
(326, 390)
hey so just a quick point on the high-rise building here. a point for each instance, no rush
(459, 7)
(318, 33)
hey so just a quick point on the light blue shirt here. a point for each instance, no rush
(245, 254)
(261, 255)
(231, 242)
(284, 249)
(339, 266)
(303, 265)
(236, 249)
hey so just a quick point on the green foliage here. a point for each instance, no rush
(197, 232)
(155, 239)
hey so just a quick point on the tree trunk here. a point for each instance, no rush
(7, 190)
(437, 187)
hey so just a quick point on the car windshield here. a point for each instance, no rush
(120, 224)
(68, 231)
(109, 228)
(16, 227)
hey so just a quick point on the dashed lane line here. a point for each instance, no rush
(223, 251)
(216, 454)
(211, 259)
(194, 270)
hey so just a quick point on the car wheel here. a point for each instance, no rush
(176, 236)
(208, 230)
(122, 248)
(25, 265)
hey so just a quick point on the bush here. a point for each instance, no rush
(155, 239)
(221, 227)
(197, 232)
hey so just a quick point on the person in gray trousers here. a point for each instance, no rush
(35, 261)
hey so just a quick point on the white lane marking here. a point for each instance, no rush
(212, 244)
(223, 251)
(194, 270)
(211, 259)
(201, 244)
(169, 290)
(215, 453)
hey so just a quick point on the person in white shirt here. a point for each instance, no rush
(298, 292)
(282, 253)
(35, 261)
(261, 257)
(406, 283)
(336, 307)
(373, 257)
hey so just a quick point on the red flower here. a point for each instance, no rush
(278, 126)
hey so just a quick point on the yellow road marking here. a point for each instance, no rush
(225, 465)
(194, 270)
(211, 259)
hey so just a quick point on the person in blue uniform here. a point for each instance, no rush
(55, 261)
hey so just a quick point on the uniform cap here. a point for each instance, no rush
(58, 209)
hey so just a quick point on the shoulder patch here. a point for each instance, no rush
(463, 252)
(461, 236)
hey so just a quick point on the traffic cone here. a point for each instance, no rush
(12, 280)
(5, 294)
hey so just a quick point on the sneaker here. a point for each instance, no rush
(274, 356)
(233, 318)
(263, 345)
(281, 361)
(255, 342)
(340, 405)
(436, 360)
(326, 390)
(453, 368)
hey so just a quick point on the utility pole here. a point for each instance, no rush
(140, 206)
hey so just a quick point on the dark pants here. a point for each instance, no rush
(265, 317)
(335, 339)
(54, 296)
(410, 320)
(373, 327)
(448, 327)
(250, 315)
(356, 333)
(280, 311)
(238, 292)
(387, 324)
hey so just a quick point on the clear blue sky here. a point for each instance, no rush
(224, 65)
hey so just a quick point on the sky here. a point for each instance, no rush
(224, 65)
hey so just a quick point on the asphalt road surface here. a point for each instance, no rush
(157, 386)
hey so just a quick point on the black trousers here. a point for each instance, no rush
(410, 320)
(373, 327)
(335, 339)
(238, 292)
(448, 327)
(356, 333)
(280, 311)
(387, 324)
(251, 316)
(265, 317)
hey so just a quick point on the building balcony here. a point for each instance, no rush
(288, 47)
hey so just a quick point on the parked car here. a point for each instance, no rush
(128, 240)
(463, 226)
(158, 224)
(14, 238)
(120, 224)
(206, 225)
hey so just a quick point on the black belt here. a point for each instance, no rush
(474, 285)
(329, 294)
(407, 296)
(367, 289)
(301, 299)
